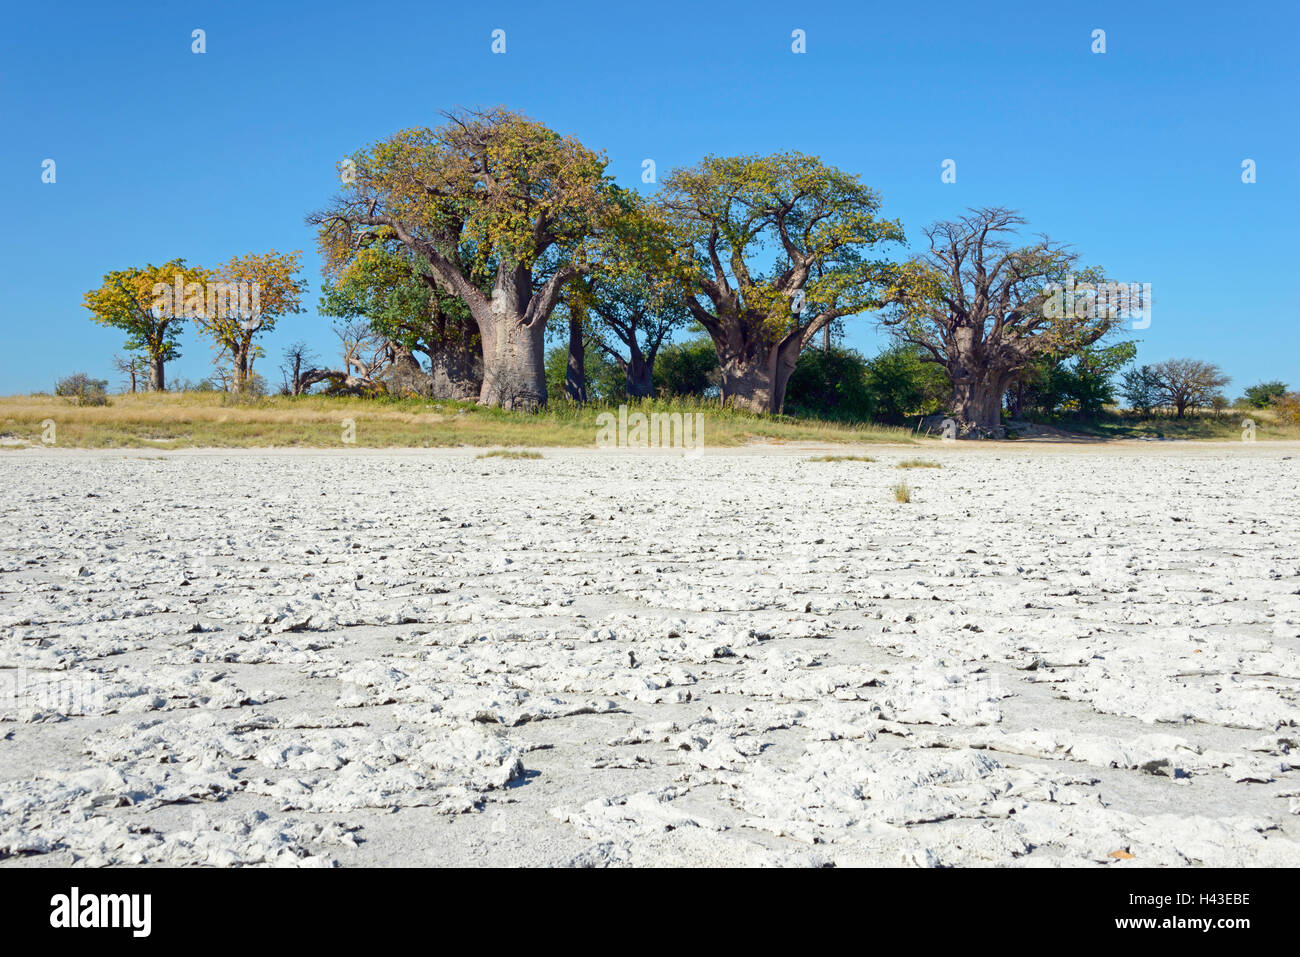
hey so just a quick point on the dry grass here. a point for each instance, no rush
(218, 420)
(841, 458)
(509, 454)
(919, 464)
(902, 493)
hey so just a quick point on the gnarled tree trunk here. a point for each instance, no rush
(754, 374)
(456, 372)
(977, 402)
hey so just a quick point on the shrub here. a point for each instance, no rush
(830, 384)
(687, 368)
(81, 389)
(901, 384)
(1264, 394)
(1288, 407)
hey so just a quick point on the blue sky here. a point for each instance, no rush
(1132, 156)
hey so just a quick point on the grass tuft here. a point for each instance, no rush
(902, 493)
(919, 464)
(841, 458)
(509, 454)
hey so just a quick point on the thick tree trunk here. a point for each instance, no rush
(157, 377)
(514, 373)
(977, 405)
(575, 374)
(639, 375)
(755, 379)
(456, 372)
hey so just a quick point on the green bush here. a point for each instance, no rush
(830, 384)
(687, 368)
(901, 384)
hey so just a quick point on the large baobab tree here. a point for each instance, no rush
(981, 307)
(147, 303)
(491, 195)
(822, 224)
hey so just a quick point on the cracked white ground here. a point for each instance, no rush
(1052, 656)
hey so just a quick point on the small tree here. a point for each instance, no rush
(901, 383)
(299, 359)
(831, 384)
(1140, 388)
(245, 297)
(145, 303)
(1188, 383)
(687, 368)
(134, 369)
(1288, 407)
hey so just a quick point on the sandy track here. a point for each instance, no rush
(1051, 655)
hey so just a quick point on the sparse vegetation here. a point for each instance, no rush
(919, 464)
(902, 493)
(222, 420)
(841, 458)
(81, 389)
(510, 454)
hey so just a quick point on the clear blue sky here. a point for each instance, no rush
(1133, 156)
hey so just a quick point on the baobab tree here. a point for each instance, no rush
(246, 295)
(978, 305)
(635, 295)
(131, 300)
(824, 226)
(389, 287)
(631, 320)
(489, 195)
(1184, 384)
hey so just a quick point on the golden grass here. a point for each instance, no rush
(217, 420)
(919, 464)
(841, 458)
(902, 492)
